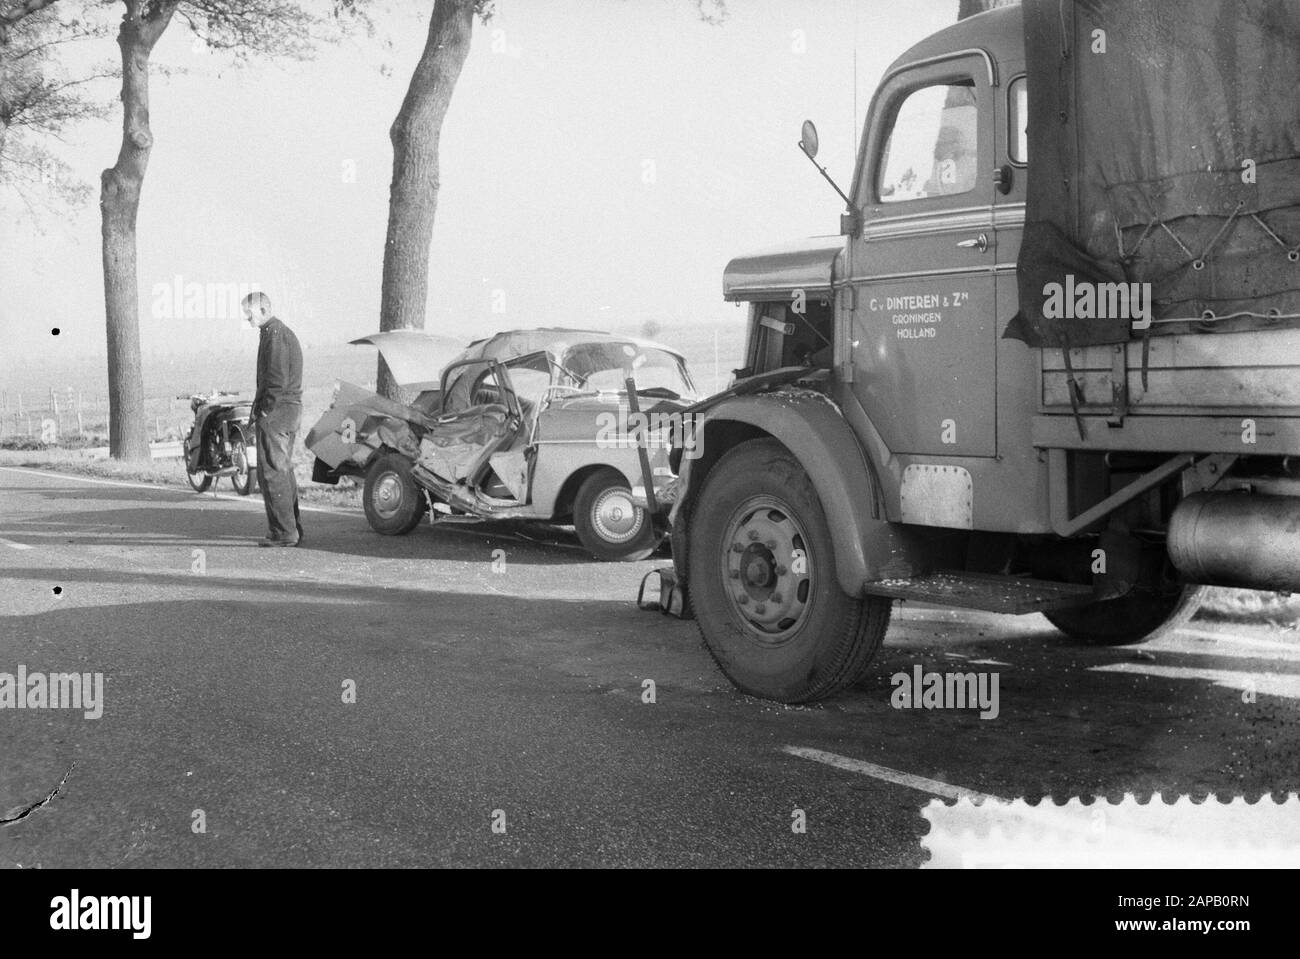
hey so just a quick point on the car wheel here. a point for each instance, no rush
(393, 501)
(763, 582)
(608, 523)
(1136, 618)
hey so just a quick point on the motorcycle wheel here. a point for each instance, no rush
(244, 479)
(200, 481)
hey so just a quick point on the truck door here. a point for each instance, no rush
(924, 338)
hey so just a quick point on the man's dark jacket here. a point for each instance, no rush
(279, 368)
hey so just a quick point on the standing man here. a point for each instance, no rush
(277, 413)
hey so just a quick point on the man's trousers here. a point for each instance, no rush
(276, 432)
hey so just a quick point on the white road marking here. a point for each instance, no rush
(1271, 684)
(1280, 646)
(12, 545)
(920, 783)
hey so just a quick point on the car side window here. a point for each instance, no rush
(932, 147)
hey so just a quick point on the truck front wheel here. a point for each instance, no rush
(763, 581)
(1136, 618)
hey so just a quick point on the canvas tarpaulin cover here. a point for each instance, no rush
(1164, 148)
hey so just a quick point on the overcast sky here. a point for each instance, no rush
(602, 161)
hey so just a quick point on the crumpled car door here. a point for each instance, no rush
(482, 415)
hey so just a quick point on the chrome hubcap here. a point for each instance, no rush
(616, 518)
(387, 498)
(766, 569)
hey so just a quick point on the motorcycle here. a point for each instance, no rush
(221, 442)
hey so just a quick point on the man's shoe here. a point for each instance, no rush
(272, 541)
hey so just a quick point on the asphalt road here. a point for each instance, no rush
(499, 677)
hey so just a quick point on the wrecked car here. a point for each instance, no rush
(524, 425)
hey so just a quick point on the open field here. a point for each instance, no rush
(712, 350)
(73, 394)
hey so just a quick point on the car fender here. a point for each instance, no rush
(808, 423)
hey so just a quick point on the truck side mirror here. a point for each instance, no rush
(808, 144)
(808, 139)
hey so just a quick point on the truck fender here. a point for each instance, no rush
(867, 547)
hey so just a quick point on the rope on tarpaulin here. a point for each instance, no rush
(1197, 262)
(1209, 316)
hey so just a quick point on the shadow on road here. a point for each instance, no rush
(536, 674)
(227, 522)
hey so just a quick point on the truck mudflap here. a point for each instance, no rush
(809, 424)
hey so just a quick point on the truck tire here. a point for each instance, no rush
(608, 524)
(393, 501)
(1136, 618)
(763, 581)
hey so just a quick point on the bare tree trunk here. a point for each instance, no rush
(413, 194)
(968, 8)
(119, 203)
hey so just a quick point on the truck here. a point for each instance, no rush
(1050, 362)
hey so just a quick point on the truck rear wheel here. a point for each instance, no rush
(1136, 618)
(763, 582)
(393, 503)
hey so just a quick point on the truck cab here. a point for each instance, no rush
(901, 431)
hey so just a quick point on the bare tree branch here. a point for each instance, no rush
(11, 13)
